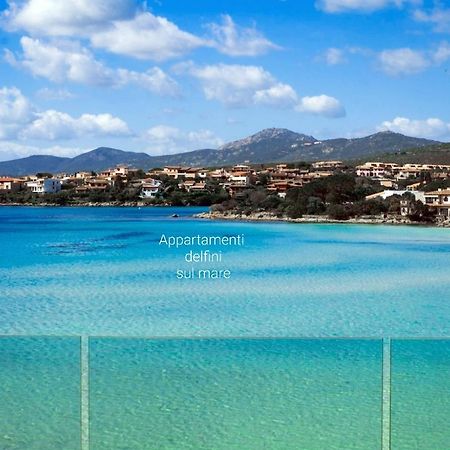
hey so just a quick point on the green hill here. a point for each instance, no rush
(433, 154)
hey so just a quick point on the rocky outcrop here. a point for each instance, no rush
(269, 217)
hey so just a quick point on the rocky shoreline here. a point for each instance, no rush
(261, 216)
(87, 204)
(269, 217)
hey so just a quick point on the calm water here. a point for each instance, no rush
(39, 393)
(235, 394)
(420, 395)
(100, 271)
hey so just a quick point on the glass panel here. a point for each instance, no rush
(235, 394)
(39, 393)
(420, 395)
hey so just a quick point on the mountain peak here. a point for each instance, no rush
(267, 146)
(282, 136)
(271, 132)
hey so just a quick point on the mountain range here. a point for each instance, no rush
(269, 145)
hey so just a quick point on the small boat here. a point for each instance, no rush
(175, 215)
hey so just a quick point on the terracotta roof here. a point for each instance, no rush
(8, 180)
(443, 192)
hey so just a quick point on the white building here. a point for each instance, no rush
(418, 195)
(439, 200)
(150, 188)
(44, 186)
(376, 169)
(241, 179)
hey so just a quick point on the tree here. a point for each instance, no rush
(338, 212)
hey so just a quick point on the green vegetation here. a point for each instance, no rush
(121, 193)
(433, 154)
(339, 197)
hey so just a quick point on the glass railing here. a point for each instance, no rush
(103, 393)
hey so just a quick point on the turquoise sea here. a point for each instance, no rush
(100, 271)
(286, 354)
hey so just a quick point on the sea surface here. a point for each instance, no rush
(285, 354)
(102, 272)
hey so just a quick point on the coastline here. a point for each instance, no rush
(261, 216)
(87, 205)
(363, 220)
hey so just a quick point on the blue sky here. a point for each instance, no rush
(167, 76)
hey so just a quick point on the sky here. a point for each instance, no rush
(168, 76)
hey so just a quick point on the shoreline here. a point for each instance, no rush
(363, 220)
(253, 217)
(89, 205)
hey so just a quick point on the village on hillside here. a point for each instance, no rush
(428, 184)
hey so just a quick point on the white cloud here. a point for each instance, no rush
(118, 26)
(231, 84)
(19, 119)
(54, 94)
(403, 61)
(323, 105)
(243, 86)
(428, 128)
(442, 53)
(12, 150)
(334, 56)
(439, 17)
(233, 40)
(154, 80)
(64, 61)
(52, 125)
(362, 6)
(15, 112)
(146, 37)
(164, 139)
(278, 95)
(66, 18)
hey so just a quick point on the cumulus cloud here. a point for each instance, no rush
(19, 119)
(322, 105)
(403, 61)
(128, 28)
(234, 40)
(232, 84)
(52, 125)
(278, 95)
(66, 18)
(154, 80)
(361, 6)
(243, 86)
(164, 139)
(122, 28)
(146, 37)
(15, 112)
(64, 61)
(428, 128)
